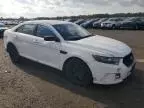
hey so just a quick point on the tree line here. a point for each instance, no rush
(140, 14)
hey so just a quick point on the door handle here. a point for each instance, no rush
(63, 52)
(35, 41)
(15, 36)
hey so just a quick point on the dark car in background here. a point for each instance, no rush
(97, 24)
(70, 20)
(89, 23)
(133, 23)
(79, 21)
(2, 29)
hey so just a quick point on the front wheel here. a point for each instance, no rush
(14, 55)
(78, 72)
(136, 27)
(113, 27)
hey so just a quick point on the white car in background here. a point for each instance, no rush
(112, 23)
(97, 24)
(83, 57)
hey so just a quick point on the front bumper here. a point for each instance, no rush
(107, 74)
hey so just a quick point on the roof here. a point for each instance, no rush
(51, 22)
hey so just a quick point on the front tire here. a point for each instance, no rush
(78, 72)
(113, 27)
(13, 53)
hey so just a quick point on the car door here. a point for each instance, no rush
(47, 52)
(24, 40)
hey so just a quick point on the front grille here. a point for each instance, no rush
(128, 60)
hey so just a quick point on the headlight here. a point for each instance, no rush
(108, 60)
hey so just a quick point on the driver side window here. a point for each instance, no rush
(43, 31)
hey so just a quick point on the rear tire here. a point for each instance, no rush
(1, 34)
(78, 72)
(13, 53)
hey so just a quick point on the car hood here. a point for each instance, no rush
(104, 45)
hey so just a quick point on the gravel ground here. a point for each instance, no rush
(16, 90)
(32, 85)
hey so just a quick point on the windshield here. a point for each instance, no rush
(118, 19)
(91, 21)
(78, 21)
(104, 19)
(71, 31)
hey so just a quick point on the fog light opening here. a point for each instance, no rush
(117, 75)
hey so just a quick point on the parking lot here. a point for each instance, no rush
(32, 85)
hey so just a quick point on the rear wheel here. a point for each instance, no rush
(14, 55)
(78, 72)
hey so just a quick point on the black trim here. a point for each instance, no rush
(63, 52)
(128, 60)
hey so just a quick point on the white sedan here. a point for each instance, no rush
(83, 57)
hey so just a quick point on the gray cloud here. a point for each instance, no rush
(33, 8)
(103, 2)
(138, 2)
(131, 2)
(26, 1)
(86, 3)
(94, 2)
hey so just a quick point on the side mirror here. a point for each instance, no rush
(51, 38)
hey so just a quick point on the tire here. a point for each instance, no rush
(136, 27)
(13, 53)
(78, 72)
(1, 34)
(113, 27)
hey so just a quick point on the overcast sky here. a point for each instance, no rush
(52, 8)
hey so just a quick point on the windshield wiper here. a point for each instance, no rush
(88, 35)
(74, 38)
(78, 38)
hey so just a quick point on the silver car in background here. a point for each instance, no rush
(112, 23)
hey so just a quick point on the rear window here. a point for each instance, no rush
(26, 29)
